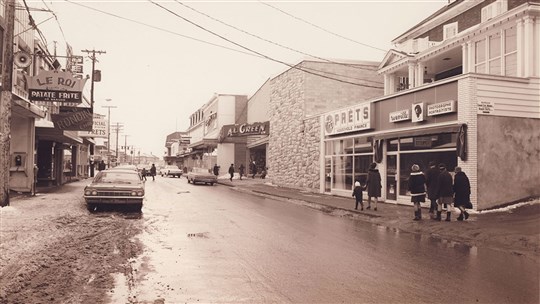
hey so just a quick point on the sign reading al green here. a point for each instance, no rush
(55, 86)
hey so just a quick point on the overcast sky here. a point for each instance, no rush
(159, 68)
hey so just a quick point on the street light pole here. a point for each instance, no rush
(108, 133)
(125, 148)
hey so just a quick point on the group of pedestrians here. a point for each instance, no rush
(241, 171)
(437, 184)
(442, 191)
(153, 172)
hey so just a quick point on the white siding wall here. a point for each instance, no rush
(259, 105)
(226, 110)
(509, 96)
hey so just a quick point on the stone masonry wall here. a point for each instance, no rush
(297, 99)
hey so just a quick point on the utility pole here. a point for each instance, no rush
(125, 148)
(117, 129)
(94, 59)
(109, 133)
(5, 102)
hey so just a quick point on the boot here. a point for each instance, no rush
(438, 218)
(420, 213)
(460, 217)
(448, 216)
(466, 214)
(416, 218)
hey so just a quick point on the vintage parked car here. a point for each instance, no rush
(115, 186)
(201, 175)
(171, 170)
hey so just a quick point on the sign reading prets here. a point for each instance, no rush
(236, 130)
(55, 86)
(440, 108)
(74, 119)
(350, 119)
(99, 127)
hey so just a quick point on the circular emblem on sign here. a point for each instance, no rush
(329, 124)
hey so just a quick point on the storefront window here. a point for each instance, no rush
(361, 145)
(439, 141)
(422, 159)
(342, 177)
(393, 145)
(361, 166)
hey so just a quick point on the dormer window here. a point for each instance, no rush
(450, 30)
(494, 9)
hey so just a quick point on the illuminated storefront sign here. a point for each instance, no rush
(350, 119)
(55, 86)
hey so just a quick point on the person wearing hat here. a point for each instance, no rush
(357, 194)
(462, 193)
(373, 185)
(445, 192)
(417, 187)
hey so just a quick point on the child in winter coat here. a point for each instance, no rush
(357, 193)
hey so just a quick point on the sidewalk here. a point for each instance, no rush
(515, 228)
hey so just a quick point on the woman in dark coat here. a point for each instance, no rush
(373, 185)
(417, 187)
(462, 193)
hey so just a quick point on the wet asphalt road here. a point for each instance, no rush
(211, 244)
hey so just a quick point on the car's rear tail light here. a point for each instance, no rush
(140, 193)
(133, 193)
(87, 192)
(94, 192)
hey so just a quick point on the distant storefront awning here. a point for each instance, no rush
(205, 143)
(57, 135)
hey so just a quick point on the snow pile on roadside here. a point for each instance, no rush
(8, 210)
(508, 208)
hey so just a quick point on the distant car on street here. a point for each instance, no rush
(171, 170)
(201, 175)
(115, 186)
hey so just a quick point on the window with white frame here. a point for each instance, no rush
(510, 51)
(450, 30)
(497, 53)
(494, 9)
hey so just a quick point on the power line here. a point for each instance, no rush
(256, 52)
(57, 21)
(33, 24)
(321, 28)
(283, 46)
(158, 28)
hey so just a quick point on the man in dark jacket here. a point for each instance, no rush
(432, 176)
(445, 192)
(216, 170)
(462, 193)
(153, 172)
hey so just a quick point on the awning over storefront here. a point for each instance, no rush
(417, 132)
(205, 143)
(27, 109)
(58, 135)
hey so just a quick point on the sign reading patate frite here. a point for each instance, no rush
(440, 108)
(55, 86)
(349, 119)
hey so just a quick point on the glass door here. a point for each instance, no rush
(391, 177)
(327, 174)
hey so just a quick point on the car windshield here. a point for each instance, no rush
(171, 167)
(117, 177)
(199, 170)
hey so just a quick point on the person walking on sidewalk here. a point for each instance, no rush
(357, 194)
(373, 185)
(462, 193)
(417, 187)
(241, 170)
(143, 174)
(231, 171)
(216, 170)
(153, 172)
(432, 176)
(445, 192)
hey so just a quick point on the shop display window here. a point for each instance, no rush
(393, 145)
(342, 172)
(361, 145)
(438, 141)
(406, 160)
